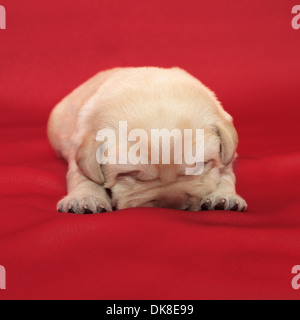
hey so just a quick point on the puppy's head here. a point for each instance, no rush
(169, 185)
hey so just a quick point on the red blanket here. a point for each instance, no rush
(248, 52)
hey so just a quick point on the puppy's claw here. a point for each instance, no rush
(206, 205)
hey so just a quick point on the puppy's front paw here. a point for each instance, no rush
(83, 204)
(219, 201)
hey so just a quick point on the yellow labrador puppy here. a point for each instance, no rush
(101, 177)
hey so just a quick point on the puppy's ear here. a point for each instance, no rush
(87, 161)
(229, 141)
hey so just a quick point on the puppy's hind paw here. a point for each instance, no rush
(217, 201)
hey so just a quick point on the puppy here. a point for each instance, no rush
(147, 98)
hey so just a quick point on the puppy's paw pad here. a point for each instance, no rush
(206, 205)
(216, 201)
(82, 205)
(221, 205)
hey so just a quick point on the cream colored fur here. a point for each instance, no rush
(147, 98)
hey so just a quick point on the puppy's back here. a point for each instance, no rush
(63, 118)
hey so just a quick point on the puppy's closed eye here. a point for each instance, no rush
(137, 175)
(209, 164)
(132, 174)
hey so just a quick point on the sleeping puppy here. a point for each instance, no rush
(146, 98)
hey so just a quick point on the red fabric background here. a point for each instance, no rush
(249, 54)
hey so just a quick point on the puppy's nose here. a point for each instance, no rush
(172, 202)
